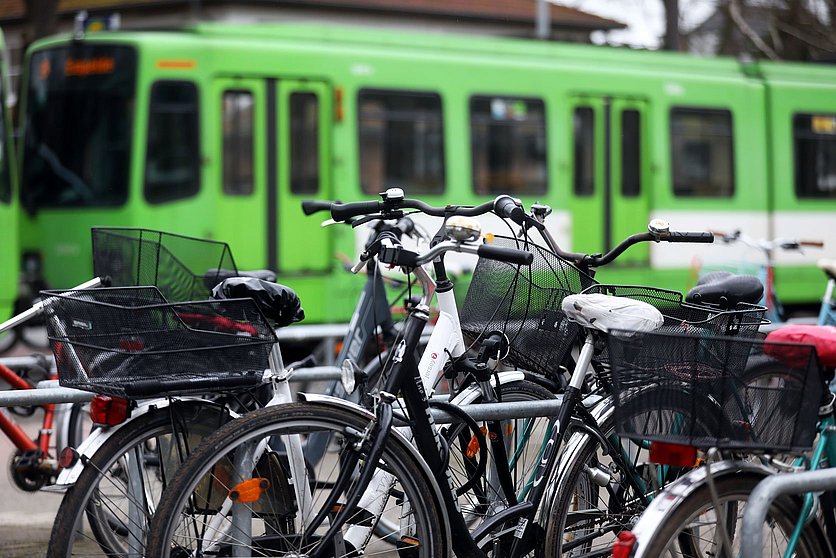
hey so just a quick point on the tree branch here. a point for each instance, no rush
(734, 12)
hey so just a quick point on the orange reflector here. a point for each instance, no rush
(673, 454)
(249, 491)
(473, 446)
(411, 541)
(624, 545)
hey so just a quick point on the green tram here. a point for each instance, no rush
(219, 131)
(9, 254)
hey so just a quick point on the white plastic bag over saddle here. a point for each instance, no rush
(605, 312)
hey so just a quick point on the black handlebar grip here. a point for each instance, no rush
(309, 207)
(507, 208)
(343, 211)
(507, 255)
(705, 237)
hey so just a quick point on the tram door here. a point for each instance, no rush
(610, 179)
(298, 168)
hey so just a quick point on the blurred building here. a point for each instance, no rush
(514, 18)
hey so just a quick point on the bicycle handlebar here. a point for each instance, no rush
(309, 207)
(767, 245)
(344, 211)
(597, 260)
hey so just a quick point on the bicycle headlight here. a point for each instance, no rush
(463, 229)
(348, 376)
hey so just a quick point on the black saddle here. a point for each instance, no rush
(280, 304)
(726, 290)
(216, 275)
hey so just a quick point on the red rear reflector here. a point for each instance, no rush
(108, 411)
(67, 458)
(623, 547)
(673, 454)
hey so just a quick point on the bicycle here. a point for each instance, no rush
(423, 481)
(703, 511)
(764, 270)
(88, 488)
(35, 463)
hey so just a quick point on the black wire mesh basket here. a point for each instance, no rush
(130, 342)
(692, 390)
(524, 303)
(183, 268)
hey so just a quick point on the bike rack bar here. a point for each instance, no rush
(43, 396)
(766, 492)
(501, 411)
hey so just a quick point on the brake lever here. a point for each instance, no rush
(395, 214)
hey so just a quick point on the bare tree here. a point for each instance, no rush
(775, 29)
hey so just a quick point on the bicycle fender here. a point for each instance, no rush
(472, 392)
(97, 438)
(318, 399)
(679, 490)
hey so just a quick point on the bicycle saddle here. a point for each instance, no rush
(828, 266)
(214, 276)
(605, 312)
(726, 290)
(280, 304)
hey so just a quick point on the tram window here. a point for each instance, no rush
(238, 142)
(584, 123)
(630, 153)
(172, 160)
(401, 141)
(815, 155)
(701, 153)
(508, 145)
(304, 143)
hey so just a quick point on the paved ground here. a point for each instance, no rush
(25, 517)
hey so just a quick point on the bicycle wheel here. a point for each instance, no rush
(482, 496)
(693, 527)
(120, 485)
(204, 511)
(597, 496)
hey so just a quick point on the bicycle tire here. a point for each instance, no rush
(523, 451)
(575, 490)
(677, 530)
(179, 519)
(8, 339)
(99, 494)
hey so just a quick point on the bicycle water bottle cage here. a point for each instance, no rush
(726, 291)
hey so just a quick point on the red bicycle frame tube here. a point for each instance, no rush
(14, 432)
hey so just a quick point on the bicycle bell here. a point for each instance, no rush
(658, 226)
(463, 229)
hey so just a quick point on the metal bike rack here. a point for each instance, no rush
(766, 492)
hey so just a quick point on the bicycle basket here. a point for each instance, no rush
(524, 304)
(181, 267)
(130, 342)
(683, 389)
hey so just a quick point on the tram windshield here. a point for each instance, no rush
(79, 117)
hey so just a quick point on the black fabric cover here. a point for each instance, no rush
(280, 304)
(726, 289)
